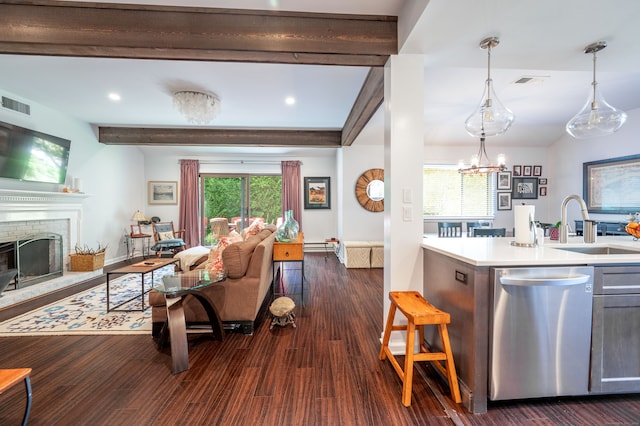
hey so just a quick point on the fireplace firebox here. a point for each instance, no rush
(37, 258)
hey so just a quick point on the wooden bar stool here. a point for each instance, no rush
(10, 377)
(419, 313)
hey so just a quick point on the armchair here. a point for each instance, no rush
(167, 239)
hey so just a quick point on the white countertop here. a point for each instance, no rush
(500, 252)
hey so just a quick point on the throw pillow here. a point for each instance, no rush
(235, 237)
(215, 264)
(253, 229)
(166, 235)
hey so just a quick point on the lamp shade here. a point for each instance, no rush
(138, 216)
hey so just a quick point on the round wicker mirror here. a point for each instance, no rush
(370, 190)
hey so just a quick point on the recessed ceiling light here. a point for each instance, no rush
(290, 100)
(114, 97)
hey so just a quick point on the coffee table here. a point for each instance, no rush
(142, 268)
(175, 287)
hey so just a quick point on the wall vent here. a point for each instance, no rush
(14, 105)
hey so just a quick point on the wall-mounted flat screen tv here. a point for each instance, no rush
(32, 156)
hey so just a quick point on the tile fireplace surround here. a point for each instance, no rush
(27, 212)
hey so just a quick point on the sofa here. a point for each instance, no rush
(240, 297)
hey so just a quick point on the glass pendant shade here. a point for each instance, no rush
(597, 117)
(490, 117)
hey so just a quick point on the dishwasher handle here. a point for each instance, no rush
(560, 280)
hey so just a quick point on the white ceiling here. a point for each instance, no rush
(544, 38)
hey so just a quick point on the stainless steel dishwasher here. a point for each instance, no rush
(540, 332)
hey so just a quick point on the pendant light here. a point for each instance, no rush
(480, 164)
(491, 117)
(597, 117)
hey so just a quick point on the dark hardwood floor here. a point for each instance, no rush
(324, 372)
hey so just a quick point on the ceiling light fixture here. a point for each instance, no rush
(197, 107)
(480, 164)
(597, 117)
(491, 117)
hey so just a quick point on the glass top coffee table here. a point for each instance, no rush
(175, 287)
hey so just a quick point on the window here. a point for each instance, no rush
(448, 193)
(239, 199)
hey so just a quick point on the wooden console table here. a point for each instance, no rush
(289, 252)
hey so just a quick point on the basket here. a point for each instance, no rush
(86, 262)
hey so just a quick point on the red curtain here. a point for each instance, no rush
(189, 170)
(291, 189)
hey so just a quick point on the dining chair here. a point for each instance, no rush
(479, 224)
(489, 232)
(449, 229)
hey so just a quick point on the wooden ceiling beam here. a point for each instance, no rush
(198, 34)
(369, 99)
(218, 137)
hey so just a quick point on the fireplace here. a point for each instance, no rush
(37, 258)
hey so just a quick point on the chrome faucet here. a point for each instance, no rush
(564, 228)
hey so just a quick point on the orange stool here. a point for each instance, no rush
(8, 378)
(419, 313)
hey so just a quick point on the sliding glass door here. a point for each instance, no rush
(239, 199)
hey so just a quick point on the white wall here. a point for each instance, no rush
(566, 158)
(317, 224)
(438, 154)
(108, 173)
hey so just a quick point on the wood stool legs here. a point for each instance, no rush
(10, 377)
(419, 313)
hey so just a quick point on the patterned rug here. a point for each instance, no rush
(86, 312)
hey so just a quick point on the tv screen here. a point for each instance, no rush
(32, 156)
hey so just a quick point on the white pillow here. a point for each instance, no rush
(166, 235)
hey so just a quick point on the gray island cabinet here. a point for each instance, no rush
(459, 277)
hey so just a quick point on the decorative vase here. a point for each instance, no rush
(288, 231)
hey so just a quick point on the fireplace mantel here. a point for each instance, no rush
(20, 196)
(19, 205)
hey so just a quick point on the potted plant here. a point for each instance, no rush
(554, 231)
(87, 259)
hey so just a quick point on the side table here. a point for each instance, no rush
(175, 288)
(130, 241)
(289, 252)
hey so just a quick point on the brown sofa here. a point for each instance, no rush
(240, 297)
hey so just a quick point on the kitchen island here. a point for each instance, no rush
(459, 277)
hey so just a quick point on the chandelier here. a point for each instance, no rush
(480, 164)
(197, 107)
(491, 117)
(597, 117)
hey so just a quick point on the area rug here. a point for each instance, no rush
(86, 312)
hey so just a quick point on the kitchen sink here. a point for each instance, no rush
(600, 250)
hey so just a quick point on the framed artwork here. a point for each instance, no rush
(504, 181)
(537, 170)
(610, 186)
(526, 170)
(543, 191)
(317, 192)
(517, 170)
(525, 188)
(163, 192)
(542, 181)
(504, 201)
(136, 230)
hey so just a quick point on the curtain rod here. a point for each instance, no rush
(277, 163)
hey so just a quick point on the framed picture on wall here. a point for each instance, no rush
(517, 170)
(163, 192)
(317, 192)
(537, 170)
(526, 170)
(504, 181)
(525, 188)
(543, 191)
(542, 181)
(504, 201)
